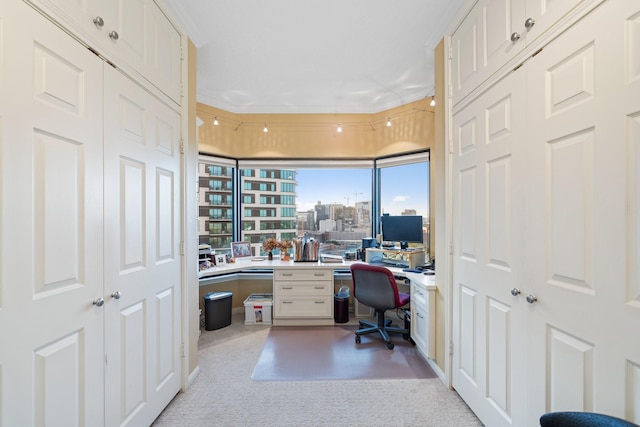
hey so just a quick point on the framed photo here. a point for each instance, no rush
(241, 249)
(221, 259)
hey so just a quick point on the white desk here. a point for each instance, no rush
(303, 295)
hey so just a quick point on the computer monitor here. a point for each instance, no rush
(402, 228)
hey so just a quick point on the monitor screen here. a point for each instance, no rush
(403, 228)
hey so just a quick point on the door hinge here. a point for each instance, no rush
(450, 348)
(450, 52)
(182, 351)
(182, 146)
(451, 249)
(182, 248)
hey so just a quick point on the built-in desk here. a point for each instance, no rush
(303, 294)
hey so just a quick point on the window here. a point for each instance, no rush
(336, 202)
(329, 201)
(215, 177)
(404, 188)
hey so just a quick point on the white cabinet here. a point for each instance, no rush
(544, 159)
(100, 336)
(423, 319)
(302, 296)
(494, 32)
(132, 34)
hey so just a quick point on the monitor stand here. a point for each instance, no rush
(404, 245)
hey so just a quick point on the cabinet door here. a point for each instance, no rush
(583, 194)
(494, 33)
(51, 270)
(420, 319)
(482, 43)
(142, 263)
(489, 323)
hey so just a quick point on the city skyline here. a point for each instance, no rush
(334, 187)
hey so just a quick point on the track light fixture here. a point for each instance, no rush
(339, 128)
(388, 122)
(433, 101)
(265, 129)
(215, 121)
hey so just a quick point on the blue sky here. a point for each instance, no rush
(403, 187)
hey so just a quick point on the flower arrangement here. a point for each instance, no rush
(285, 245)
(270, 244)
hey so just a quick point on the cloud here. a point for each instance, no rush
(400, 199)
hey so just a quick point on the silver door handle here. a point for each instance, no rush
(99, 302)
(98, 21)
(114, 35)
(515, 37)
(515, 292)
(116, 295)
(531, 299)
(530, 22)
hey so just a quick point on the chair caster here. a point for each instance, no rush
(390, 345)
(358, 339)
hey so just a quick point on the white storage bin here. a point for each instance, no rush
(258, 309)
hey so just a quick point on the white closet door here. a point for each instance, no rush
(51, 350)
(489, 323)
(583, 222)
(142, 256)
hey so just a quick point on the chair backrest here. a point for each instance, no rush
(582, 419)
(375, 286)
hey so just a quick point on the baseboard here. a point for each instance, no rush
(432, 363)
(192, 377)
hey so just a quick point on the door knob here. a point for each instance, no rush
(116, 295)
(98, 21)
(515, 37)
(98, 302)
(531, 299)
(114, 35)
(515, 292)
(529, 23)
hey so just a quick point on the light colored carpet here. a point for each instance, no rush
(224, 394)
(296, 353)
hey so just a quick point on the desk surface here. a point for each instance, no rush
(247, 264)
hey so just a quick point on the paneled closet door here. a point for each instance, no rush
(583, 222)
(142, 255)
(489, 316)
(51, 272)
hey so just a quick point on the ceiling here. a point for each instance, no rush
(305, 56)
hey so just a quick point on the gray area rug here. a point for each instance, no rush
(223, 393)
(330, 353)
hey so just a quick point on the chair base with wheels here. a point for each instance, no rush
(383, 327)
(582, 419)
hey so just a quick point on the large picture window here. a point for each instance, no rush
(337, 203)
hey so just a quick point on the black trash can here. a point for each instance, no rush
(217, 310)
(341, 308)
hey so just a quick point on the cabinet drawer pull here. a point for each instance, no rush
(320, 302)
(319, 274)
(287, 302)
(287, 287)
(287, 274)
(318, 287)
(419, 315)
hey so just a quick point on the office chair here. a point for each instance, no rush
(582, 419)
(376, 287)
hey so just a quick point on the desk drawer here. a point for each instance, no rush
(303, 307)
(308, 288)
(299, 275)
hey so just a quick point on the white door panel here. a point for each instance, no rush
(583, 326)
(51, 210)
(488, 364)
(142, 162)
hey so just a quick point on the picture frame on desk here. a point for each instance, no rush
(220, 260)
(241, 249)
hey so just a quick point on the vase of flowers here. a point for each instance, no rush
(269, 245)
(285, 247)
